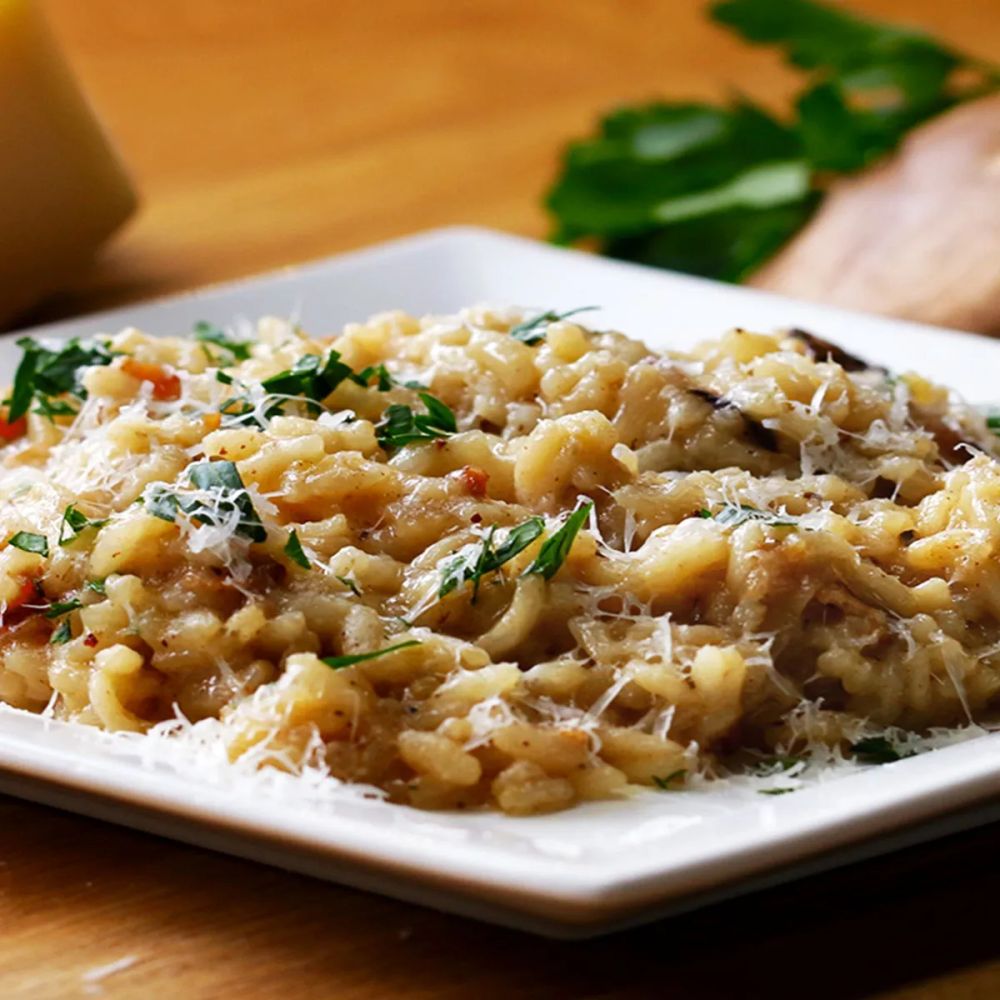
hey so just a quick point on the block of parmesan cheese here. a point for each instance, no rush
(62, 189)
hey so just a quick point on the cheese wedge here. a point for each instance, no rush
(62, 189)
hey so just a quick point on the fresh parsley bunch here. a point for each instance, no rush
(716, 190)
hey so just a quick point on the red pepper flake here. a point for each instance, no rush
(90, 640)
(476, 518)
(475, 480)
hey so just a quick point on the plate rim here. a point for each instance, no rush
(579, 903)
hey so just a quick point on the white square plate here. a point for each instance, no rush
(595, 867)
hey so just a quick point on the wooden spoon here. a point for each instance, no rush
(917, 236)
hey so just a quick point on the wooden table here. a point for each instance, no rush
(262, 133)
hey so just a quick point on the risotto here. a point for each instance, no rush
(496, 559)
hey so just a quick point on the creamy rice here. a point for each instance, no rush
(779, 548)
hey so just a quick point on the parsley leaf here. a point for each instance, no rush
(349, 584)
(43, 373)
(716, 190)
(62, 634)
(775, 791)
(339, 662)
(556, 547)
(400, 426)
(28, 541)
(385, 380)
(226, 494)
(474, 561)
(97, 586)
(293, 549)
(313, 378)
(74, 523)
(664, 783)
(238, 350)
(532, 331)
(877, 750)
(63, 607)
(732, 516)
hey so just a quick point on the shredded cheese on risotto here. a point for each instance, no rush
(498, 558)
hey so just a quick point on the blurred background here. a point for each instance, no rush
(262, 134)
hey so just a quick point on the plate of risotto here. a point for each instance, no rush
(545, 589)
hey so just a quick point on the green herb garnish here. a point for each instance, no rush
(735, 515)
(74, 523)
(664, 783)
(226, 495)
(28, 541)
(474, 561)
(238, 350)
(353, 588)
(312, 378)
(556, 547)
(877, 750)
(400, 426)
(63, 607)
(44, 373)
(775, 791)
(339, 662)
(532, 331)
(62, 634)
(293, 549)
(97, 586)
(716, 190)
(385, 380)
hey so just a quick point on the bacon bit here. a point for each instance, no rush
(166, 385)
(211, 421)
(90, 640)
(12, 431)
(475, 480)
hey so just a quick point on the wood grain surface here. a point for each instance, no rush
(263, 133)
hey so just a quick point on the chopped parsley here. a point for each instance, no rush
(339, 662)
(877, 750)
(74, 523)
(532, 331)
(312, 378)
(62, 634)
(207, 333)
(44, 373)
(556, 548)
(351, 586)
(775, 791)
(293, 549)
(474, 561)
(664, 784)
(734, 515)
(385, 380)
(400, 426)
(28, 541)
(97, 586)
(226, 494)
(61, 608)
